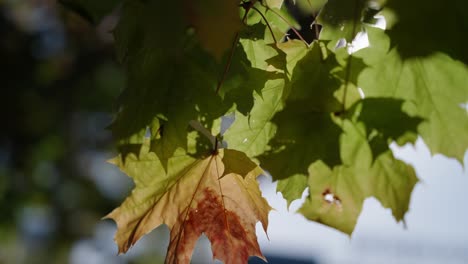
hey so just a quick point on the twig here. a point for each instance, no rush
(268, 24)
(289, 24)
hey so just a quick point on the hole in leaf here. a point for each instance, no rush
(341, 43)
(331, 198)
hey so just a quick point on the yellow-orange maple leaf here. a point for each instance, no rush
(215, 196)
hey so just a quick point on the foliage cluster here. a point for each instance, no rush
(216, 87)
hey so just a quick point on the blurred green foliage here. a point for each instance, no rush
(59, 80)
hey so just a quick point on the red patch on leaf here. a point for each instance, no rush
(230, 241)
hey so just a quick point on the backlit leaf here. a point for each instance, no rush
(411, 19)
(434, 88)
(292, 187)
(306, 131)
(337, 194)
(192, 198)
(335, 198)
(177, 81)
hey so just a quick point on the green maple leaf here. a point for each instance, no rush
(392, 182)
(335, 197)
(251, 134)
(171, 100)
(336, 194)
(292, 187)
(171, 80)
(380, 175)
(252, 131)
(257, 49)
(292, 52)
(149, 69)
(306, 131)
(302, 138)
(397, 126)
(366, 166)
(217, 196)
(241, 80)
(277, 18)
(409, 21)
(434, 88)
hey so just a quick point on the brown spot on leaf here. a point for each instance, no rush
(223, 228)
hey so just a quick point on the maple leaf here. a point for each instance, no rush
(170, 77)
(408, 25)
(434, 88)
(336, 194)
(218, 196)
(251, 133)
(243, 79)
(306, 131)
(368, 167)
(335, 197)
(257, 49)
(292, 187)
(274, 14)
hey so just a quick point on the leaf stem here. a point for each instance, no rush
(349, 60)
(314, 22)
(289, 24)
(267, 23)
(215, 151)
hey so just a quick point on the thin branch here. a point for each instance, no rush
(289, 24)
(315, 25)
(268, 24)
(314, 22)
(228, 64)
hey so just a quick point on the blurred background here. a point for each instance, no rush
(60, 81)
